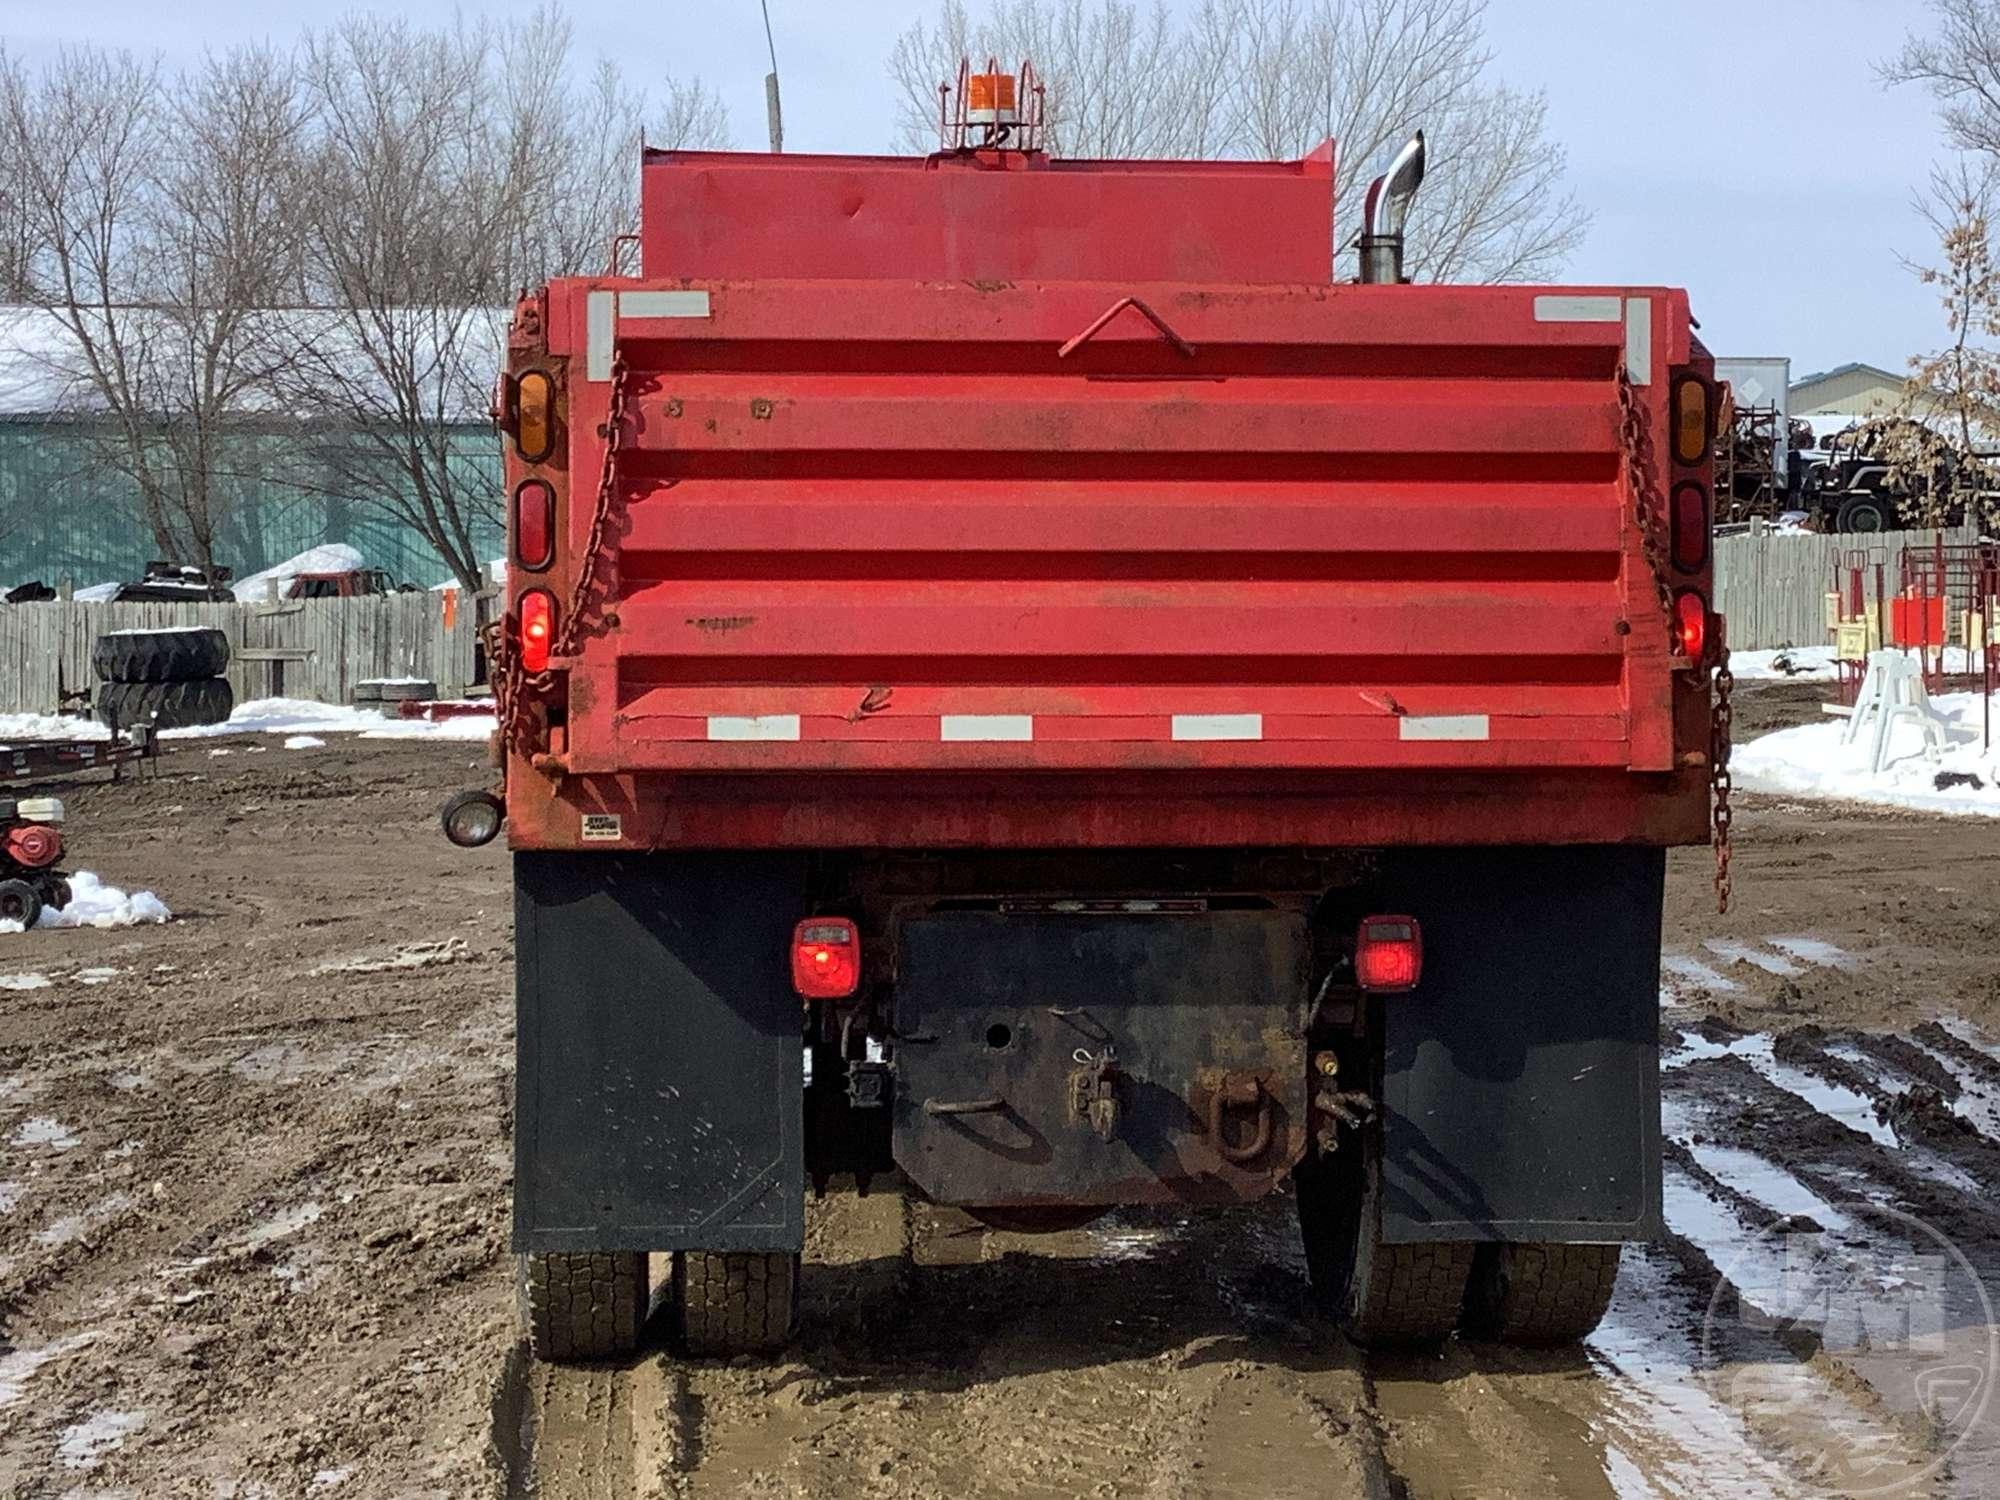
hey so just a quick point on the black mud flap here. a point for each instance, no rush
(659, 1063)
(1521, 1089)
(1048, 1060)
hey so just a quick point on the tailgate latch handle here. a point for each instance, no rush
(1113, 311)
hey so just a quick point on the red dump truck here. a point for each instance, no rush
(1018, 684)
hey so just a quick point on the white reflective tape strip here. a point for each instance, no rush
(1218, 726)
(986, 727)
(599, 333)
(663, 304)
(756, 727)
(1444, 727)
(1639, 340)
(1578, 310)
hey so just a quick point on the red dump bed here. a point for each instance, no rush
(994, 501)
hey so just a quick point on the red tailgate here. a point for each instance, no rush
(893, 526)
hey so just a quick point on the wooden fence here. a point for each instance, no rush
(1773, 585)
(294, 648)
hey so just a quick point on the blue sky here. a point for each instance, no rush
(1743, 150)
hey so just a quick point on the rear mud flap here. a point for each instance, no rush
(1522, 1097)
(659, 1066)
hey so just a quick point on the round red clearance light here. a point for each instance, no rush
(826, 958)
(538, 629)
(1691, 624)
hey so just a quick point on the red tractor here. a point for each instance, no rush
(31, 846)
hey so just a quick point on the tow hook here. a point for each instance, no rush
(1240, 1092)
(1093, 1090)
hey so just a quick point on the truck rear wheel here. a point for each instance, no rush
(1540, 1295)
(736, 1302)
(1383, 1295)
(581, 1307)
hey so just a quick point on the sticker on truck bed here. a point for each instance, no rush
(602, 828)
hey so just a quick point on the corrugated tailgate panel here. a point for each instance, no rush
(876, 526)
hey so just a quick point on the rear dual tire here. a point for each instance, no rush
(580, 1308)
(1413, 1296)
(1542, 1296)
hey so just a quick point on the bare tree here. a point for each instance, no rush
(1949, 409)
(453, 167)
(157, 212)
(1960, 65)
(17, 240)
(1270, 79)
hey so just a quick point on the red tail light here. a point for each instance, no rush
(538, 629)
(1691, 624)
(534, 525)
(826, 958)
(1690, 528)
(1389, 954)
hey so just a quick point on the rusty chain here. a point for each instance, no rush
(1636, 438)
(1636, 441)
(1720, 784)
(512, 682)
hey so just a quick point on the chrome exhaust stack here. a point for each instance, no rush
(1387, 211)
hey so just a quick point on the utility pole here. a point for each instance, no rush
(773, 111)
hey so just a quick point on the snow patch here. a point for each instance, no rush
(333, 557)
(43, 1130)
(23, 981)
(1810, 760)
(1746, 953)
(84, 1444)
(449, 950)
(305, 742)
(1694, 971)
(19, 1367)
(1789, 664)
(94, 904)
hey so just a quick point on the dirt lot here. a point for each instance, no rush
(254, 1173)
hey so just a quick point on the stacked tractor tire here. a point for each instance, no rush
(163, 679)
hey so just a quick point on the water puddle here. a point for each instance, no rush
(1746, 953)
(1853, 1110)
(1815, 951)
(1694, 971)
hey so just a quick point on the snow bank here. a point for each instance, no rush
(1816, 664)
(300, 717)
(17, 727)
(1811, 761)
(92, 903)
(1792, 664)
(296, 717)
(333, 557)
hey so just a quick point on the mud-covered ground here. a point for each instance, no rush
(254, 1173)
